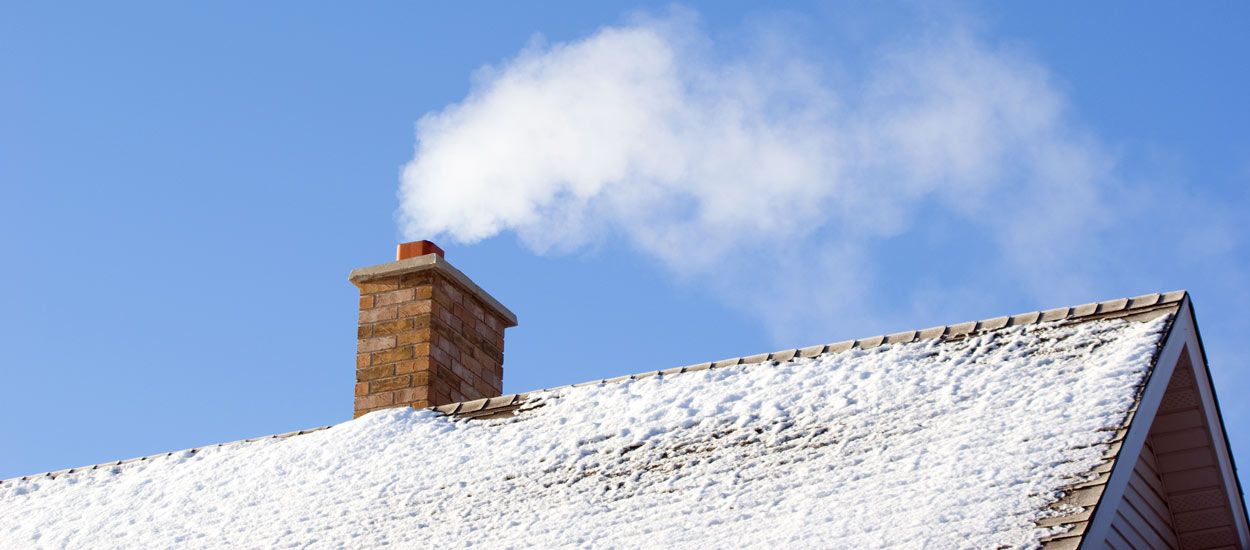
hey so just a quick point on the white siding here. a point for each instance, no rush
(1142, 519)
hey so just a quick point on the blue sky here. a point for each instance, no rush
(186, 187)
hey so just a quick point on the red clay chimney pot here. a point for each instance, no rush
(417, 248)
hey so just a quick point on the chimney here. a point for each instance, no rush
(428, 335)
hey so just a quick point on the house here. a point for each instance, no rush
(1078, 427)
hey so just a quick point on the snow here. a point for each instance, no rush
(929, 444)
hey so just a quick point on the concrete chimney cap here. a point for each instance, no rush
(436, 262)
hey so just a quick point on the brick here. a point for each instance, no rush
(378, 314)
(481, 330)
(416, 364)
(440, 356)
(375, 344)
(413, 309)
(443, 300)
(453, 292)
(394, 297)
(374, 373)
(483, 388)
(413, 337)
(391, 327)
(391, 356)
(378, 285)
(416, 279)
(411, 395)
(390, 384)
(375, 400)
(444, 315)
(446, 345)
(421, 379)
(424, 340)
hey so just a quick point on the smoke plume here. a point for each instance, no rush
(941, 146)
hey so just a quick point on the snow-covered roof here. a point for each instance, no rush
(970, 435)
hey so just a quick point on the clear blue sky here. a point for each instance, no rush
(185, 187)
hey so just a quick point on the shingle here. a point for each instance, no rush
(672, 371)
(1083, 497)
(727, 362)
(933, 332)
(1069, 543)
(625, 378)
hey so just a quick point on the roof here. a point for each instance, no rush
(986, 433)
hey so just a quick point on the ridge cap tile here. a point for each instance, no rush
(753, 359)
(869, 342)
(1144, 300)
(1084, 310)
(1112, 306)
(1173, 296)
(838, 347)
(1029, 318)
(902, 337)
(784, 355)
(812, 351)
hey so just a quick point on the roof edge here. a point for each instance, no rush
(1111, 470)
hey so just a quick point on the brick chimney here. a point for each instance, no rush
(428, 335)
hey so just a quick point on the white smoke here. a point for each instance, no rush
(645, 131)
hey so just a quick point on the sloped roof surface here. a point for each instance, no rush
(966, 436)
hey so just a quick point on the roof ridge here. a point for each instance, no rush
(58, 473)
(1089, 311)
(493, 406)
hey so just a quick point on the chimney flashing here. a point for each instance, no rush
(436, 263)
